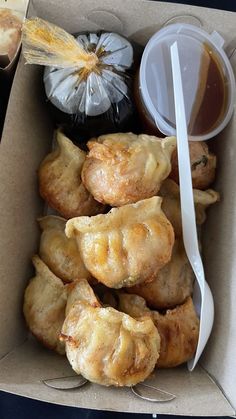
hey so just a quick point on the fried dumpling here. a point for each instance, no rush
(60, 181)
(203, 165)
(173, 283)
(132, 304)
(44, 306)
(60, 253)
(108, 347)
(179, 331)
(81, 290)
(178, 328)
(129, 245)
(125, 168)
(171, 203)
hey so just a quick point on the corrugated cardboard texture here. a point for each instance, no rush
(27, 138)
(40, 364)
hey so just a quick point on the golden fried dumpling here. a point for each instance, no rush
(60, 181)
(44, 306)
(129, 245)
(173, 283)
(171, 203)
(108, 347)
(203, 165)
(179, 331)
(80, 290)
(59, 252)
(202, 200)
(132, 304)
(178, 328)
(122, 169)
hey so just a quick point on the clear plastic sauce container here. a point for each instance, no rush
(208, 82)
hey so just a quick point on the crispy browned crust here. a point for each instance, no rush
(44, 306)
(129, 245)
(179, 331)
(178, 328)
(60, 253)
(86, 205)
(171, 203)
(125, 168)
(60, 181)
(108, 347)
(172, 284)
(203, 165)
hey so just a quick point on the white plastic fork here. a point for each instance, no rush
(202, 296)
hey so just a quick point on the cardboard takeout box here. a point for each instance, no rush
(211, 388)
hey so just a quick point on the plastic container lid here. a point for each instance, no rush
(208, 80)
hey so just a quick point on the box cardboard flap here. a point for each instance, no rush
(220, 264)
(31, 364)
(130, 13)
(26, 140)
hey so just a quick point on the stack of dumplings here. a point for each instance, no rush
(113, 285)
